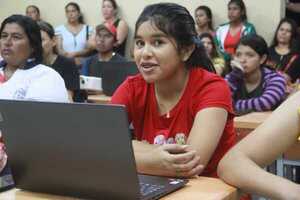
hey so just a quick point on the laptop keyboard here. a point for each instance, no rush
(146, 188)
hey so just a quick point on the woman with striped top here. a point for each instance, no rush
(254, 87)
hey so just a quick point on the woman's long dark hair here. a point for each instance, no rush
(175, 21)
(241, 4)
(293, 45)
(208, 13)
(77, 7)
(32, 31)
(214, 52)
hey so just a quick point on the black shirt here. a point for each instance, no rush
(68, 70)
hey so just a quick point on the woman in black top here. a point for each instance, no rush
(66, 67)
(283, 52)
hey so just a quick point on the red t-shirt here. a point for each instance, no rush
(231, 42)
(203, 90)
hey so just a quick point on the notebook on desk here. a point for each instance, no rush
(81, 150)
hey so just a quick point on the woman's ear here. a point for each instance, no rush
(186, 52)
(263, 59)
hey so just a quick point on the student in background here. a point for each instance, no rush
(284, 51)
(260, 148)
(229, 34)
(33, 12)
(64, 66)
(72, 37)
(254, 87)
(203, 18)
(105, 39)
(22, 76)
(212, 52)
(181, 113)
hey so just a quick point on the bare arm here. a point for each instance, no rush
(206, 132)
(260, 148)
(59, 45)
(122, 32)
(295, 7)
(190, 159)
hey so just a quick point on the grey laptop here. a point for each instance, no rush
(80, 150)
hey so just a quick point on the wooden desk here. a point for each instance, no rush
(251, 120)
(198, 188)
(99, 98)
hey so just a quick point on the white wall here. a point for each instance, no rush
(264, 14)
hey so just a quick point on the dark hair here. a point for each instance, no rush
(32, 31)
(113, 2)
(208, 13)
(255, 42)
(48, 28)
(293, 45)
(214, 52)
(241, 4)
(77, 7)
(175, 21)
(35, 7)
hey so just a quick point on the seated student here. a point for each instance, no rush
(174, 100)
(254, 87)
(64, 66)
(211, 49)
(22, 76)
(284, 51)
(229, 34)
(33, 12)
(105, 39)
(260, 148)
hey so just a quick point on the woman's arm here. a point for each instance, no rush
(172, 160)
(273, 94)
(242, 166)
(122, 32)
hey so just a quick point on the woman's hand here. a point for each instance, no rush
(175, 160)
(236, 64)
(3, 157)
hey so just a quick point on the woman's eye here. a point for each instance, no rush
(139, 43)
(157, 42)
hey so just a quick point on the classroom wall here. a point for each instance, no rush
(265, 15)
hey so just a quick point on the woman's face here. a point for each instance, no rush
(234, 12)
(108, 10)
(284, 33)
(32, 13)
(15, 47)
(47, 43)
(72, 14)
(201, 18)
(156, 54)
(249, 59)
(208, 44)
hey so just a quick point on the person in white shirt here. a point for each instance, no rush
(22, 76)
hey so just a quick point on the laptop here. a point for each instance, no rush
(114, 73)
(80, 150)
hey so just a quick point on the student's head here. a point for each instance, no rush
(236, 11)
(251, 52)
(48, 38)
(73, 13)
(286, 33)
(33, 12)
(109, 9)
(166, 40)
(105, 37)
(203, 16)
(209, 44)
(20, 40)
